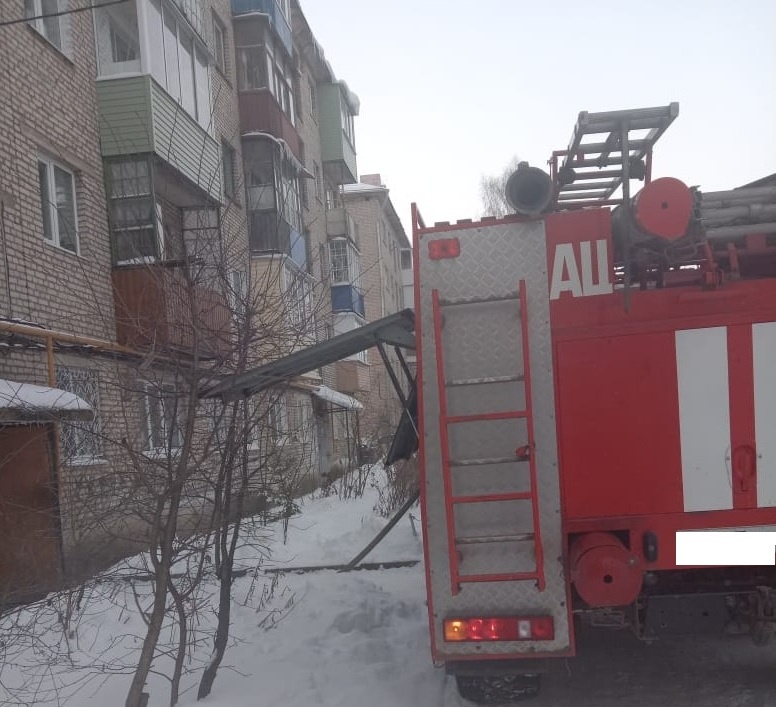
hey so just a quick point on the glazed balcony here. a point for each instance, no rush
(137, 116)
(277, 20)
(339, 223)
(260, 112)
(154, 309)
(347, 298)
(338, 150)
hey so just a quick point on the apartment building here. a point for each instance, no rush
(170, 186)
(374, 263)
(297, 128)
(118, 144)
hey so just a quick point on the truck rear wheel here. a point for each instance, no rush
(498, 689)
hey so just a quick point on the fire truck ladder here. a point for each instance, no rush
(523, 455)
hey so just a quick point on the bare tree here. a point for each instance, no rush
(493, 191)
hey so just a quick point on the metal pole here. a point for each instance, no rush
(392, 374)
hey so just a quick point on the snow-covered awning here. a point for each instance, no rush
(336, 398)
(25, 402)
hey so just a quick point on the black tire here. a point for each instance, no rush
(498, 689)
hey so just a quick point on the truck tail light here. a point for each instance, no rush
(511, 628)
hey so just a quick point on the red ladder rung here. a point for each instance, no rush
(487, 417)
(493, 497)
(507, 577)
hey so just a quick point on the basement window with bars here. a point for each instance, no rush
(58, 204)
(81, 441)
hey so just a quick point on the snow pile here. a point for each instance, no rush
(320, 638)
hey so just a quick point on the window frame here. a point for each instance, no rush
(33, 9)
(227, 150)
(219, 48)
(49, 207)
(88, 382)
(154, 393)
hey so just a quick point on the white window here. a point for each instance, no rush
(81, 441)
(313, 99)
(219, 44)
(227, 166)
(318, 182)
(117, 39)
(299, 300)
(347, 121)
(176, 64)
(406, 259)
(345, 266)
(44, 18)
(252, 68)
(57, 196)
(237, 293)
(162, 420)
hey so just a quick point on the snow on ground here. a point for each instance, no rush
(327, 639)
(323, 638)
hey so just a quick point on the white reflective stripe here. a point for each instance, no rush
(764, 348)
(704, 418)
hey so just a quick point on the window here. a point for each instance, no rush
(227, 166)
(177, 65)
(299, 300)
(57, 196)
(117, 39)
(318, 181)
(406, 259)
(347, 121)
(237, 294)
(219, 44)
(313, 100)
(252, 68)
(132, 211)
(345, 268)
(42, 19)
(81, 441)
(161, 419)
(276, 418)
(303, 195)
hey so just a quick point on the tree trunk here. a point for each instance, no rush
(222, 632)
(135, 696)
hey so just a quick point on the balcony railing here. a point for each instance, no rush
(276, 18)
(347, 298)
(156, 308)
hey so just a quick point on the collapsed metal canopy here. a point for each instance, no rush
(394, 330)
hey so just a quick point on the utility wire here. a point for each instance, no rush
(108, 3)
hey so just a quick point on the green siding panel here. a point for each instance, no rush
(138, 116)
(335, 147)
(125, 116)
(181, 142)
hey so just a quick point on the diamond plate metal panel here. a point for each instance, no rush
(493, 260)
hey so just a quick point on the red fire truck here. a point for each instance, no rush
(595, 374)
